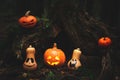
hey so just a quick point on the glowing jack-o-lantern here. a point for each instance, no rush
(27, 21)
(74, 63)
(54, 57)
(30, 63)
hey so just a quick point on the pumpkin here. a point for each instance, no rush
(30, 62)
(74, 63)
(54, 57)
(104, 41)
(27, 21)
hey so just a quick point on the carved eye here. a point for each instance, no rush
(32, 20)
(73, 59)
(57, 58)
(32, 60)
(49, 57)
(27, 59)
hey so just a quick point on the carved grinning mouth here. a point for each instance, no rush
(29, 65)
(53, 63)
(73, 62)
(29, 23)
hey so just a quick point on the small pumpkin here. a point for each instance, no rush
(54, 57)
(74, 63)
(30, 62)
(104, 41)
(27, 21)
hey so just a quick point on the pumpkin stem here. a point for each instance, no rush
(27, 13)
(55, 45)
(78, 49)
(104, 38)
(30, 46)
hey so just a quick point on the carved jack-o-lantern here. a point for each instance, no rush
(27, 21)
(54, 57)
(74, 63)
(30, 63)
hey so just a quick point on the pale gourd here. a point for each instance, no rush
(30, 62)
(74, 63)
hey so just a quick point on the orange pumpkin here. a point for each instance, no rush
(104, 41)
(27, 21)
(54, 57)
(30, 63)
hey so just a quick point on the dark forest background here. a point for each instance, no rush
(106, 11)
